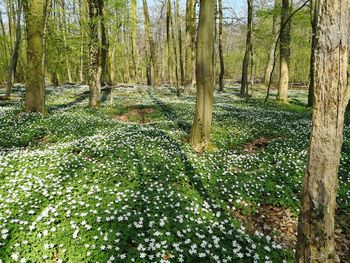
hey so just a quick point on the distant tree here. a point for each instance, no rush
(190, 45)
(152, 65)
(248, 51)
(15, 52)
(275, 30)
(285, 39)
(200, 133)
(221, 52)
(331, 96)
(133, 40)
(35, 14)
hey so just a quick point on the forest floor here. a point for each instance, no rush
(121, 184)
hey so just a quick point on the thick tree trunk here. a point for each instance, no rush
(35, 13)
(275, 29)
(200, 133)
(248, 51)
(282, 94)
(13, 63)
(190, 45)
(95, 69)
(332, 93)
(221, 55)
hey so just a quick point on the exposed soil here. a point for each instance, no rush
(141, 114)
(281, 224)
(257, 144)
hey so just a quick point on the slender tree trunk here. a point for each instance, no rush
(153, 58)
(177, 66)
(275, 30)
(331, 95)
(82, 20)
(63, 22)
(282, 94)
(313, 17)
(104, 43)
(221, 55)
(95, 69)
(190, 36)
(181, 55)
(134, 39)
(13, 63)
(35, 13)
(248, 51)
(200, 133)
(169, 42)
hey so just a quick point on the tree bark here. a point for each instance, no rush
(181, 56)
(169, 42)
(275, 29)
(221, 55)
(200, 133)
(14, 58)
(313, 17)
(104, 43)
(95, 69)
(190, 44)
(153, 58)
(282, 94)
(134, 40)
(331, 95)
(35, 13)
(248, 51)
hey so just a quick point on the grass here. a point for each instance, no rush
(81, 185)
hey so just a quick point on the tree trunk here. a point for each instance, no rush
(313, 17)
(134, 40)
(35, 13)
(153, 59)
(13, 63)
(95, 69)
(200, 133)
(221, 55)
(177, 66)
(331, 95)
(275, 29)
(190, 42)
(181, 56)
(104, 43)
(63, 22)
(169, 42)
(282, 94)
(248, 51)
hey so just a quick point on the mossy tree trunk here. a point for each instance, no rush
(331, 95)
(200, 133)
(285, 38)
(35, 14)
(95, 69)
